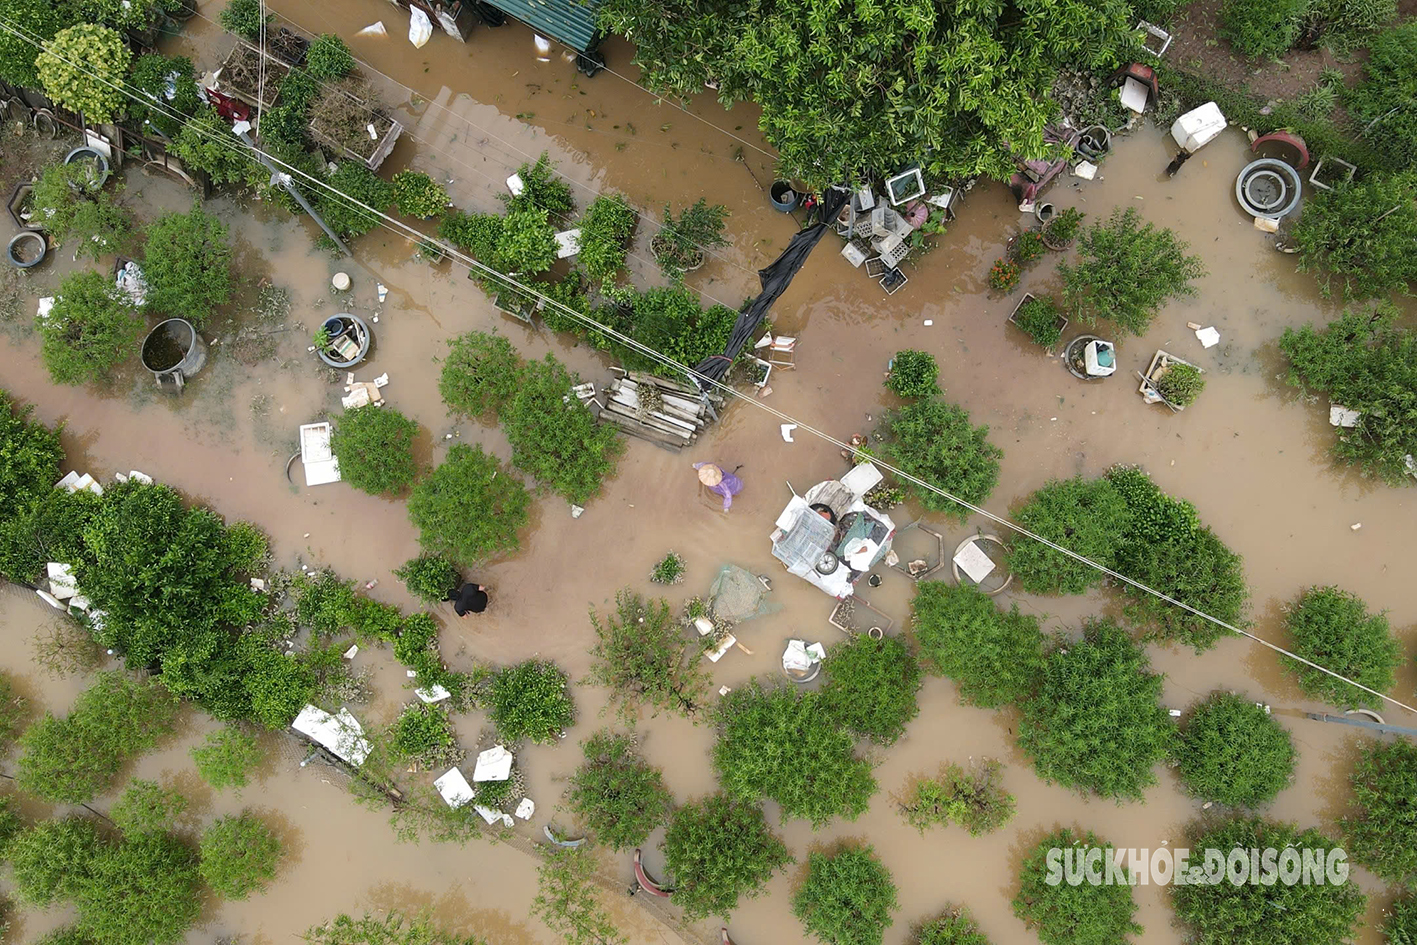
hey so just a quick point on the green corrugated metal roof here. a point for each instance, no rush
(567, 21)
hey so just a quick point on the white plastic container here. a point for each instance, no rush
(1198, 127)
(1099, 358)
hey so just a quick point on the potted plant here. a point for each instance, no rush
(680, 244)
(1039, 319)
(1026, 247)
(342, 341)
(1004, 275)
(1059, 232)
(1172, 381)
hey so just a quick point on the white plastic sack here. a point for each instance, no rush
(420, 28)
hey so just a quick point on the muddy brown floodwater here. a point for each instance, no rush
(1250, 454)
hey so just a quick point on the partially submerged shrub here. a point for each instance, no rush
(681, 242)
(616, 794)
(374, 445)
(147, 807)
(1064, 914)
(1086, 516)
(934, 441)
(187, 265)
(468, 507)
(418, 195)
(1126, 271)
(430, 578)
(848, 896)
(914, 374)
(346, 215)
(642, 654)
(424, 736)
(668, 570)
(239, 856)
(1360, 235)
(1366, 363)
(142, 891)
(605, 230)
(871, 687)
(774, 743)
(29, 458)
(51, 859)
(1383, 831)
(554, 437)
(1234, 752)
(227, 757)
(1004, 275)
(974, 798)
(1333, 628)
(993, 657)
(720, 851)
(90, 329)
(1262, 28)
(480, 374)
(1096, 724)
(243, 17)
(531, 700)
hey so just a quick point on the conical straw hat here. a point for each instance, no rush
(710, 475)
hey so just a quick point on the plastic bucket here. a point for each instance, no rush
(353, 326)
(783, 197)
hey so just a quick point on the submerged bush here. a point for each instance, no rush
(418, 195)
(187, 265)
(1038, 318)
(1088, 517)
(1234, 752)
(480, 374)
(848, 896)
(642, 655)
(147, 807)
(994, 657)
(934, 441)
(239, 855)
(1368, 364)
(720, 851)
(227, 757)
(1064, 914)
(1332, 627)
(29, 458)
(616, 794)
(430, 578)
(1360, 235)
(774, 743)
(1383, 831)
(871, 687)
(374, 445)
(555, 438)
(329, 58)
(468, 507)
(605, 229)
(914, 374)
(142, 891)
(1126, 271)
(1096, 724)
(89, 331)
(531, 700)
(974, 798)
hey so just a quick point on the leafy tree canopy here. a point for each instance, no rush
(914, 374)
(847, 898)
(227, 757)
(1223, 913)
(416, 194)
(1062, 914)
(618, 795)
(1383, 103)
(1127, 270)
(345, 215)
(719, 851)
(89, 330)
(1234, 752)
(29, 458)
(643, 656)
(146, 807)
(480, 374)
(239, 855)
(40, 19)
(1360, 235)
(1333, 628)
(468, 508)
(959, 89)
(776, 743)
(83, 68)
(554, 437)
(375, 449)
(149, 81)
(187, 264)
(531, 700)
(142, 891)
(871, 687)
(73, 759)
(207, 143)
(430, 578)
(1096, 724)
(51, 529)
(1401, 925)
(1383, 831)
(52, 858)
(993, 657)
(1085, 516)
(934, 441)
(1368, 364)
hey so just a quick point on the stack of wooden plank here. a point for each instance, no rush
(667, 413)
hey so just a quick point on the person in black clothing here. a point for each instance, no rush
(471, 598)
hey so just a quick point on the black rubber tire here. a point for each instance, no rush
(27, 235)
(823, 508)
(828, 559)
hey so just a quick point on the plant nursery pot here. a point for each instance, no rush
(27, 249)
(350, 340)
(783, 196)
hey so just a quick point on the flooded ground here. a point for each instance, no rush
(1250, 454)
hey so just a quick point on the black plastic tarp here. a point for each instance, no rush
(775, 280)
